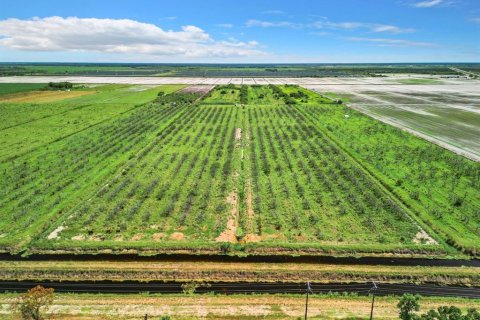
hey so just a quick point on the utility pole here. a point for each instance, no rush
(309, 290)
(373, 290)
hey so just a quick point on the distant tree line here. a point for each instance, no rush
(59, 85)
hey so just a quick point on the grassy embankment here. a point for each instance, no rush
(231, 307)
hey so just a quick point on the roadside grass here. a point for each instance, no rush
(178, 271)
(232, 307)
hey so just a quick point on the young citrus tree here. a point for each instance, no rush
(34, 303)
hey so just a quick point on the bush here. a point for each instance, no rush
(59, 85)
(408, 304)
(34, 303)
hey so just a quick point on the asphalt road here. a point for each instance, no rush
(245, 288)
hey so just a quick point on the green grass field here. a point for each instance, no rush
(9, 88)
(247, 170)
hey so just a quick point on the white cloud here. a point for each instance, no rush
(117, 36)
(383, 42)
(326, 24)
(390, 29)
(428, 3)
(269, 24)
(371, 27)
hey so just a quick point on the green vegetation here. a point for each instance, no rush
(34, 303)
(59, 85)
(409, 306)
(38, 184)
(440, 187)
(27, 126)
(262, 172)
(230, 70)
(246, 170)
(228, 94)
(8, 88)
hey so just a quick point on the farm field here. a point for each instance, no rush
(238, 175)
(38, 183)
(38, 118)
(444, 114)
(237, 306)
(263, 170)
(244, 170)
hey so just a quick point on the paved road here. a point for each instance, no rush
(232, 288)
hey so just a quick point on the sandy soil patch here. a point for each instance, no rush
(276, 236)
(250, 237)
(42, 96)
(177, 236)
(138, 88)
(79, 237)
(138, 236)
(238, 134)
(203, 89)
(158, 236)
(230, 232)
(54, 234)
(423, 237)
(96, 237)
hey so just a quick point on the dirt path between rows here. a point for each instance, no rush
(238, 134)
(250, 221)
(230, 232)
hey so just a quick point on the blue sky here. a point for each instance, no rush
(339, 31)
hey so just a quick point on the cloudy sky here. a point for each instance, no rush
(326, 31)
